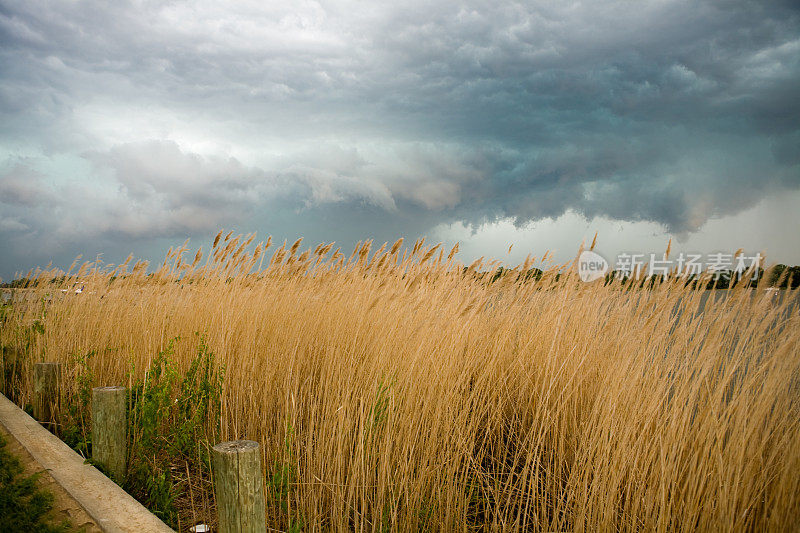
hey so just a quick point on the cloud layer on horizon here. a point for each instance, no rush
(143, 121)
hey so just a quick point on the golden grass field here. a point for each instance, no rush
(407, 393)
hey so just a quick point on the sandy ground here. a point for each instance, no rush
(64, 506)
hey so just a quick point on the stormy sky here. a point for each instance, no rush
(129, 126)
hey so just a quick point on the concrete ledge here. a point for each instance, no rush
(113, 509)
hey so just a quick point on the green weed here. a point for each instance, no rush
(75, 426)
(282, 481)
(23, 506)
(168, 425)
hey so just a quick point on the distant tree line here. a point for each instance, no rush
(779, 276)
(20, 283)
(782, 277)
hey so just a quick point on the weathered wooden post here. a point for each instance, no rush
(239, 487)
(46, 383)
(109, 429)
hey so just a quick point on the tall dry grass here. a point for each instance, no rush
(412, 394)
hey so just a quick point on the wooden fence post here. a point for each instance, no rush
(239, 487)
(46, 383)
(109, 429)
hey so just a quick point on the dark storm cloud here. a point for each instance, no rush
(393, 116)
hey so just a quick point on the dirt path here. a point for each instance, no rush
(64, 506)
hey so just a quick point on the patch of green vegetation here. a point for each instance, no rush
(75, 428)
(380, 408)
(168, 423)
(5, 310)
(16, 355)
(167, 419)
(281, 482)
(12, 372)
(376, 422)
(23, 505)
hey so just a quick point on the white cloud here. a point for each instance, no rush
(761, 228)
